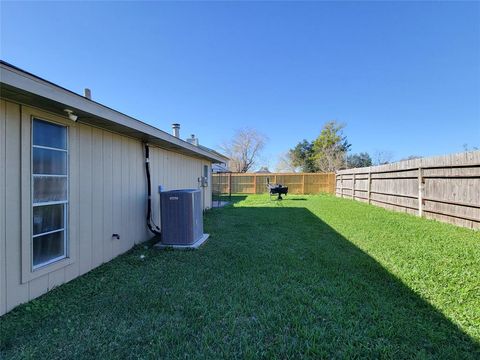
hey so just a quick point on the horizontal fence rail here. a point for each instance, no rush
(445, 188)
(298, 183)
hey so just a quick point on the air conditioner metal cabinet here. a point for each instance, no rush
(181, 215)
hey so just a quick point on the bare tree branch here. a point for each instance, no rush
(244, 149)
(286, 164)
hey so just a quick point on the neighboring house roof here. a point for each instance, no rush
(26, 88)
(263, 170)
(215, 153)
(220, 168)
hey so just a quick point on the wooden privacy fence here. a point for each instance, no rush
(446, 188)
(298, 183)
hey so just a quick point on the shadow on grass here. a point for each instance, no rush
(272, 282)
(330, 291)
(232, 199)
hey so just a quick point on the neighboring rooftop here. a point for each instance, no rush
(23, 87)
(220, 168)
(263, 170)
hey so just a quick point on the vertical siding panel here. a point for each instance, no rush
(140, 195)
(175, 164)
(72, 271)
(167, 170)
(143, 187)
(56, 278)
(180, 171)
(131, 193)
(155, 181)
(210, 184)
(3, 288)
(180, 179)
(138, 234)
(204, 190)
(184, 173)
(117, 193)
(85, 253)
(25, 193)
(208, 190)
(162, 172)
(164, 176)
(161, 180)
(17, 292)
(37, 287)
(107, 196)
(124, 239)
(170, 171)
(97, 198)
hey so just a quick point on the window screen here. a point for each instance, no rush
(49, 193)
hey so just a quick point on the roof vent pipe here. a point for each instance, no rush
(87, 93)
(176, 130)
(193, 140)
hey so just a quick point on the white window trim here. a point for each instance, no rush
(49, 203)
(49, 175)
(28, 273)
(47, 147)
(49, 232)
(46, 203)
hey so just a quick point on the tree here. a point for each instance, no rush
(327, 153)
(382, 157)
(466, 147)
(331, 147)
(244, 149)
(303, 156)
(359, 160)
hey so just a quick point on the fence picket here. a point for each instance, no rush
(298, 183)
(445, 188)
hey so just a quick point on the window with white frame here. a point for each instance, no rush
(49, 192)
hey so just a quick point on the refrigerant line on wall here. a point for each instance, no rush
(150, 223)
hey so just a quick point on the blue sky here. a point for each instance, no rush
(403, 76)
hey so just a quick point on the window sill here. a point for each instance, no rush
(49, 262)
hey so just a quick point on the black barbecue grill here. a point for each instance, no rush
(277, 189)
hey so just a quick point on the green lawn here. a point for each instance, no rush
(311, 276)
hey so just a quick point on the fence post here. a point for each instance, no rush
(230, 183)
(334, 184)
(254, 183)
(369, 187)
(341, 186)
(353, 187)
(303, 184)
(420, 191)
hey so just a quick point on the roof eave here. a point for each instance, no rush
(16, 81)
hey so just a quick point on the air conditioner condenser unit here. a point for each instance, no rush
(181, 219)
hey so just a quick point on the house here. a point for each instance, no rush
(263, 170)
(73, 188)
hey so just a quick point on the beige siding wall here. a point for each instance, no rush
(107, 195)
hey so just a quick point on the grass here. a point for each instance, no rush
(312, 276)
